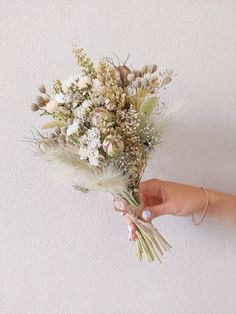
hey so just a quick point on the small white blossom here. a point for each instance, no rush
(60, 98)
(96, 86)
(89, 145)
(73, 128)
(69, 81)
(84, 81)
(81, 110)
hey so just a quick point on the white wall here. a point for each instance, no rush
(66, 253)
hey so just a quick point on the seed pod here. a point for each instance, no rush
(101, 117)
(152, 68)
(144, 69)
(46, 99)
(34, 107)
(113, 145)
(42, 89)
(40, 101)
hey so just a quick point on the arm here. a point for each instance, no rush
(222, 207)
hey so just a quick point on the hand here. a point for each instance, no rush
(165, 198)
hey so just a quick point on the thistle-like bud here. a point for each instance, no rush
(34, 107)
(42, 89)
(101, 117)
(123, 72)
(40, 101)
(113, 145)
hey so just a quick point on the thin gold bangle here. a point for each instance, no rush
(205, 209)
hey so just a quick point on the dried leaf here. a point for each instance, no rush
(148, 106)
(53, 124)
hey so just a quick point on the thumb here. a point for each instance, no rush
(151, 212)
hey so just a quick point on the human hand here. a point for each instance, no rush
(160, 197)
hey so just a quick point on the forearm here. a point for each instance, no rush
(222, 207)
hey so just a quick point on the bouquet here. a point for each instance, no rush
(103, 126)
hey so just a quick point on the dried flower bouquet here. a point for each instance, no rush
(104, 125)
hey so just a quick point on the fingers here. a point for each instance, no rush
(150, 213)
(131, 228)
(122, 206)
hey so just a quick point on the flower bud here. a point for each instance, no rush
(40, 101)
(52, 106)
(42, 89)
(152, 68)
(101, 117)
(113, 145)
(144, 69)
(34, 107)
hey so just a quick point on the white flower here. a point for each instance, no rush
(69, 81)
(96, 86)
(84, 81)
(81, 110)
(60, 98)
(73, 128)
(89, 145)
(52, 106)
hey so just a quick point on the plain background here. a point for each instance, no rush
(66, 253)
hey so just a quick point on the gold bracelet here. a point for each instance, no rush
(205, 209)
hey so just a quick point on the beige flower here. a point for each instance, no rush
(52, 106)
(84, 81)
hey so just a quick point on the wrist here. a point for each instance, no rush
(222, 207)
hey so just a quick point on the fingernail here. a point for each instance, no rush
(129, 228)
(146, 214)
(129, 236)
(122, 214)
(119, 204)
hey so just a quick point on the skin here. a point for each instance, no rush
(170, 198)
